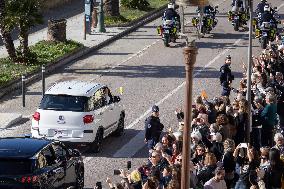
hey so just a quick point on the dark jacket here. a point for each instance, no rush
(241, 124)
(226, 74)
(171, 14)
(238, 3)
(260, 7)
(269, 116)
(217, 149)
(206, 173)
(267, 17)
(229, 162)
(153, 128)
(273, 176)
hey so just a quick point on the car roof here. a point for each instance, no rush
(74, 88)
(21, 147)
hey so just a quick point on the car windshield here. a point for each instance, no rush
(64, 103)
(15, 167)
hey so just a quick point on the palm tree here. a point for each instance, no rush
(111, 7)
(23, 14)
(6, 33)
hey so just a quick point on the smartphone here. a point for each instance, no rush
(197, 119)
(244, 145)
(128, 165)
(116, 172)
(98, 185)
(193, 106)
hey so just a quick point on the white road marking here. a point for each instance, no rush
(136, 143)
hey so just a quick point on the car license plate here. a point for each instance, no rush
(58, 133)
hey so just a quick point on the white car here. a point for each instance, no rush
(78, 112)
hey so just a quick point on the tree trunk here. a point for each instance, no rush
(24, 43)
(6, 35)
(111, 7)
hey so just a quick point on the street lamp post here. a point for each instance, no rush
(249, 72)
(190, 53)
(101, 21)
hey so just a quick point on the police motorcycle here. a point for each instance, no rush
(266, 33)
(238, 18)
(168, 31)
(204, 24)
(256, 20)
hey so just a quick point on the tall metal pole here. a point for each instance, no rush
(190, 54)
(249, 72)
(101, 20)
(181, 10)
(43, 79)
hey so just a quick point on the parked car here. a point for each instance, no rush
(27, 163)
(80, 113)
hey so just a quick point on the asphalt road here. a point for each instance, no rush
(150, 74)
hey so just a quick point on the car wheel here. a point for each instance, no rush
(97, 144)
(80, 179)
(120, 128)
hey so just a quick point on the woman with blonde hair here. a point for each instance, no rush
(207, 172)
(229, 162)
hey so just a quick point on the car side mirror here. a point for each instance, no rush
(116, 99)
(275, 8)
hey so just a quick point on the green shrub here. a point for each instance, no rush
(135, 4)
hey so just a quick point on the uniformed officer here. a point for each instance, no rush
(153, 128)
(226, 74)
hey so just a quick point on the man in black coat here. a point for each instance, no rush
(226, 76)
(153, 128)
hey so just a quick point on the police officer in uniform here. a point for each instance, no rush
(153, 128)
(226, 76)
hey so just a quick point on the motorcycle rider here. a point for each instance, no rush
(260, 6)
(209, 10)
(171, 14)
(238, 7)
(267, 16)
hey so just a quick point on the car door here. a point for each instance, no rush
(112, 108)
(101, 111)
(64, 159)
(55, 173)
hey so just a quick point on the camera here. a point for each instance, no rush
(116, 172)
(128, 165)
(99, 185)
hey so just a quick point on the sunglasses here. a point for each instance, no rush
(179, 160)
(153, 156)
(199, 149)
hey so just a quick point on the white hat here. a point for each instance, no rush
(196, 134)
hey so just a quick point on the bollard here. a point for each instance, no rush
(43, 79)
(24, 91)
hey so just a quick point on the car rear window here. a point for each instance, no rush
(15, 167)
(64, 103)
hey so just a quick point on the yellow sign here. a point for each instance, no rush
(120, 90)
(204, 94)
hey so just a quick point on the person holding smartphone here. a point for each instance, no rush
(248, 161)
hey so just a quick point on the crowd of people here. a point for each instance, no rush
(221, 156)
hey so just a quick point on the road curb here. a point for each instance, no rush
(50, 67)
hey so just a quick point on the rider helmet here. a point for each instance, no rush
(263, 1)
(266, 8)
(171, 6)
